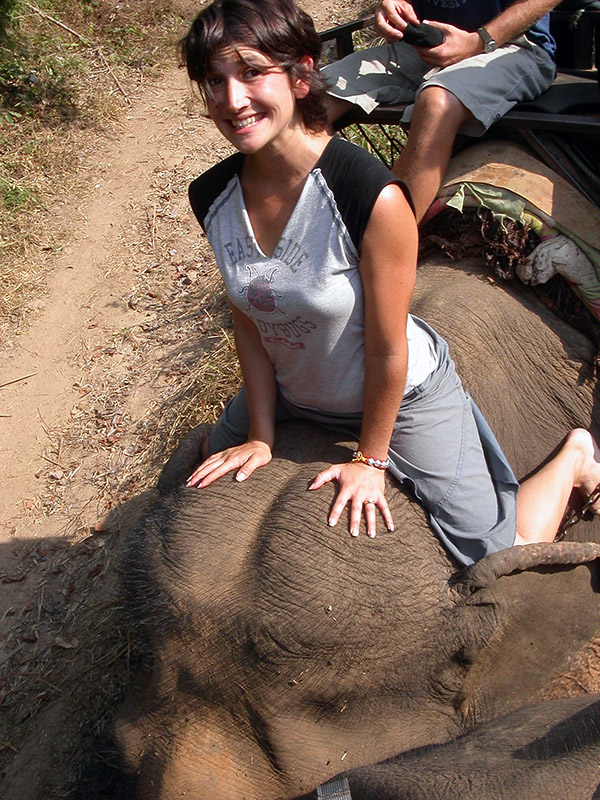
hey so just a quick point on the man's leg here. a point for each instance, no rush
(336, 108)
(437, 118)
(471, 94)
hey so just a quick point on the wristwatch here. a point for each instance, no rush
(489, 44)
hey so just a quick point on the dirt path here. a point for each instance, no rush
(92, 280)
(75, 349)
(85, 303)
(66, 427)
(83, 389)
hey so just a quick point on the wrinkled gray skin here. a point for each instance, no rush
(281, 651)
(548, 750)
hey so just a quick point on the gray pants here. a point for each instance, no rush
(441, 446)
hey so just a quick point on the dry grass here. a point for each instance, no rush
(67, 70)
(69, 656)
(71, 645)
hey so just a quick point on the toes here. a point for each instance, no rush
(592, 504)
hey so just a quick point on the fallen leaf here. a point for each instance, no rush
(65, 643)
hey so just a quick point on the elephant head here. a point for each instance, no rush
(280, 652)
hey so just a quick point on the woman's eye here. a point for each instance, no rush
(252, 72)
(213, 81)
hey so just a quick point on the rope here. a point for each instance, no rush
(335, 789)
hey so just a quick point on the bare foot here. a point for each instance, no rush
(588, 473)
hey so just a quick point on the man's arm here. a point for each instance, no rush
(459, 44)
(517, 19)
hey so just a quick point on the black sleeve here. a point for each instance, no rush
(356, 179)
(205, 189)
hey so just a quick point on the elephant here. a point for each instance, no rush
(551, 749)
(279, 652)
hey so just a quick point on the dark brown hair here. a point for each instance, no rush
(278, 28)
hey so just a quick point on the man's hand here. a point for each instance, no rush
(391, 19)
(457, 46)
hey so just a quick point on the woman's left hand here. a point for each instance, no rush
(363, 487)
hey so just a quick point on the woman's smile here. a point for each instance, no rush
(241, 124)
(250, 99)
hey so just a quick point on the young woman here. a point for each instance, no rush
(317, 243)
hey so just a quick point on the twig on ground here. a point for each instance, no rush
(84, 41)
(114, 77)
(12, 653)
(55, 21)
(16, 380)
(52, 461)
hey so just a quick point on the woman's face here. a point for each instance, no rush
(251, 100)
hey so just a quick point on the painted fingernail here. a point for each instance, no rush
(331, 523)
(354, 533)
(240, 477)
(371, 534)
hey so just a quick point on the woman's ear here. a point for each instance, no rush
(303, 71)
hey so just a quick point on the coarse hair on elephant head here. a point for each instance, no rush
(280, 651)
(547, 750)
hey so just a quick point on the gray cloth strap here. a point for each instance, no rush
(335, 789)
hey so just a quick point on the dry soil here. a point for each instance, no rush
(84, 389)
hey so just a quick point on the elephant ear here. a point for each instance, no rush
(184, 460)
(522, 616)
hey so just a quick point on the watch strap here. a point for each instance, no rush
(489, 43)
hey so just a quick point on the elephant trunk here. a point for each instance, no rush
(521, 558)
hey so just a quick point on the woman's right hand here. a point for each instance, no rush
(392, 17)
(244, 457)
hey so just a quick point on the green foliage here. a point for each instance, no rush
(33, 82)
(384, 141)
(7, 11)
(13, 195)
(68, 65)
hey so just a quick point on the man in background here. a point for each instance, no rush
(494, 54)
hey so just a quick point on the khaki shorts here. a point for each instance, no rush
(393, 74)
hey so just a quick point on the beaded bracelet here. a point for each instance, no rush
(357, 456)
